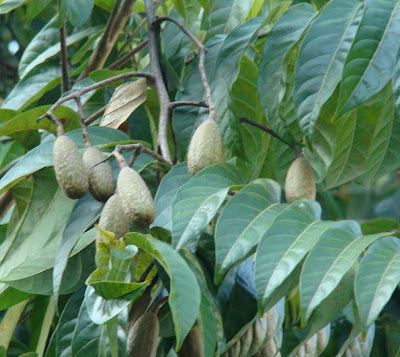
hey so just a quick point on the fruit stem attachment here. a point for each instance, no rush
(56, 121)
(85, 133)
(203, 51)
(141, 149)
(157, 305)
(294, 147)
(120, 159)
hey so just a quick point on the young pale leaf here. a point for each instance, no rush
(272, 75)
(334, 254)
(184, 296)
(126, 98)
(257, 206)
(198, 200)
(322, 56)
(370, 63)
(166, 192)
(377, 277)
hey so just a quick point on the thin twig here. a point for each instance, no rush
(146, 271)
(143, 149)
(6, 200)
(132, 36)
(117, 64)
(134, 156)
(64, 59)
(7, 168)
(174, 105)
(270, 132)
(94, 86)
(91, 118)
(203, 51)
(161, 89)
(157, 305)
(85, 133)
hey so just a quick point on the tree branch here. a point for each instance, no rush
(85, 133)
(119, 16)
(132, 35)
(174, 105)
(270, 132)
(144, 149)
(64, 59)
(117, 64)
(91, 118)
(161, 89)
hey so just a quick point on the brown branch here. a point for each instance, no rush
(157, 305)
(174, 105)
(119, 16)
(6, 200)
(91, 118)
(7, 168)
(132, 35)
(161, 89)
(270, 132)
(146, 271)
(85, 133)
(203, 51)
(117, 64)
(94, 86)
(144, 149)
(64, 59)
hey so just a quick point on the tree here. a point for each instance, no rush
(227, 265)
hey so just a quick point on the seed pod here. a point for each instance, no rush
(101, 181)
(246, 341)
(300, 181)
(70, 171)
(113, 218)
(311, 346)
(143, 336)
(270, 348)
(260, 328)
(193, 344)
(205, 147)
(136, 199)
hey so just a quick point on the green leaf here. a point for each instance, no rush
(10, 297)
(9, 151)
(115, 289)
(184, 296)
(181, 7)
(46, 44)
(377, 277)
(39, 81)
(226, 72)
(84, 214)
(9, 5)
(165, 195)
(378, 225)
(77, 11)
(370, 63)
(198, 200)
(334, 254)
(293, 233)
(272, 75)
(322, 56)
(34, 8)
(256, 205)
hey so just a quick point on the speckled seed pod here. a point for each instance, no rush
(205, 147)
(300, 181)
(101, 181)
(70, 171)
(113, 218)
(136, 199)
(143, 337)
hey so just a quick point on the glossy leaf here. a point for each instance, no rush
(272, 75)
(377, 277)
(8, 5)
(256, 205)
(165, 195)
(370, 63)
(76, 11)
(184, 296)
(322, 56)
(10, 151)
(334, 254)
(198, 200)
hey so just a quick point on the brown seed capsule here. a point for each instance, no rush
(300, 181)
(136, 199)
(101, 181)
(70, 171)
(143, 336)
(193, 344)
(113, 218)
(205, 147)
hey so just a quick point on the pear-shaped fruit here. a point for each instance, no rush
(101, 181)
(113, 218)
(300, 181)
(136, 199)
(205, 147)
(70, 171)
(143, 336)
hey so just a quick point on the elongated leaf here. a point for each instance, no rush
(292, 235)
(377, 277)
(9, 151)
(197, 202)
(256, 205)
(272, 75)
(8, 5)
(329, 260)
(184, 296)
(46, 44)
(32, 87)
(226, 72)
(322, 56)
(165, 195)
(370, 62)
(85, 213)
